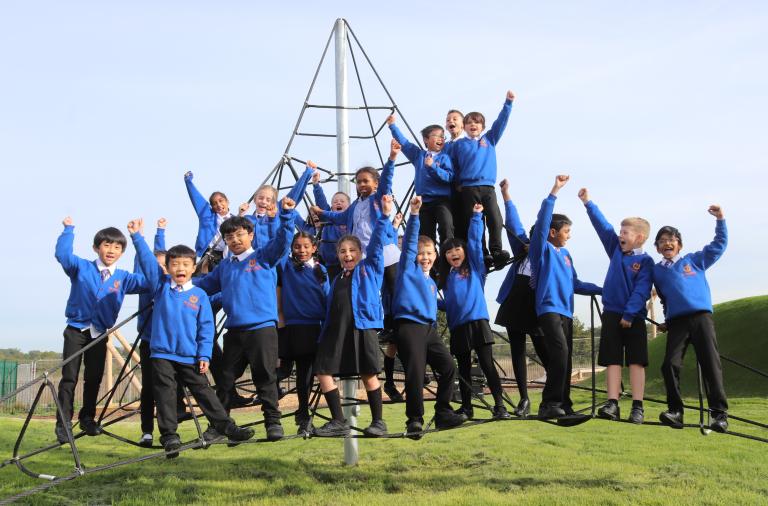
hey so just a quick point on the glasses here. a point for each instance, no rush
(667, 240)
(237, 235)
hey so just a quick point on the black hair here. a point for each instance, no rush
(216, 194)
(368, 170)
(180, 251)
(444, 268)
(231, 225)
(559, 221)
(109, 234)
(320, 275)
(668, 230)
(426, 131)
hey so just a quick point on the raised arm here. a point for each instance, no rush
(518, 238)
(201, 205)
(159, 242)
(497, 129)
(64, 254)
(374, 252)
(278, 248)
(605, 230)
(475, 242)
(317, 191)
(543, 222)
(385, 181)
(297, 192)
(714, 250)
(410, 150)
(147, 261)
(411, 239)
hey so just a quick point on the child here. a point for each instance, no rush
(454, 125)
(248, 283)
(462, 279)
(304, 287)
(331, 233)
(685, 295)
(555, 281)
(182, 338)
(474, 161)
(517, 310)
(433, 176)
(414, 307)
(98, 289)
(210, 214)
(348, 343)
(627, 287)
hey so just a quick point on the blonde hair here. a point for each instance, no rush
(639, 225)
(268, 188)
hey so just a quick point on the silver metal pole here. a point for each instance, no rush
(349, 387)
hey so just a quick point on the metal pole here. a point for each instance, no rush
(349, 387)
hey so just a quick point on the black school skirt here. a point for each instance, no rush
(469, 336)
(518, 311)
(296, 341)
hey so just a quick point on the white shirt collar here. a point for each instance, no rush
(460, 136)
(100, 265)
(671, 261)
(635, 251)
(245, 254)
(310, 263)
(186, 286)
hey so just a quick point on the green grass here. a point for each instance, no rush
(498, 463)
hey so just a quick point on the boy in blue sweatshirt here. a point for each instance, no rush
(211, 214)
(684, 292)
(474, 163)
(414, 307)
(555, 281)
(626, 289)
(182, 339)
(248, 285)
(98, 289)
(330, 233)
(432, 182)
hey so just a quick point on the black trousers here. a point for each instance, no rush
(558, 343)
(74, 341)
(418, 345)
(148, 394)
(699, 330)
(166, 376)
(217, 366)
(259, 347)
(304, 380)
(486, 195)
(519, 362)
(485, 359)
(436, 215)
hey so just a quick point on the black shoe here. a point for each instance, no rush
(211, 435)
(468, 412)
(61, 433)
(90, 426)
(237, 434)
(377, 428)
(636, 415)
(500, 259)
(274, 431)
(183, 416)
(523, 408)
(550, 411)
(719, 422)
(238, 401)
(501, 413)
(304, 427)
(414, 428)
(449, 419)
(572, 418)
(146, 440)
(672, 419)
(488, 261)
(609, 411)
(334, 428)
(171, 444)
(392, 392)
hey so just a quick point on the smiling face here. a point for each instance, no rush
(435, 140)
(303, 249)
(473, 128)
(238, 241)
(180, 269)
(426, 255)
(219, 204)
(339, 202)
(455, 256)
(366, 184)
(558, 238)
(668, 246)
(454, 124)
(109, 252)
(630, 238)
(264, 200)
(349, 254)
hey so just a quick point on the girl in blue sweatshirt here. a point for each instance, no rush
(304, 287)
(211, 214)
(348, 342)
(463, 280)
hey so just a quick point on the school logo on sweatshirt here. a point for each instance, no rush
(688, 271)
(115, 287)
(192, 302)
(567, 260)
(253, 266)
(636, 266)
(483, 144)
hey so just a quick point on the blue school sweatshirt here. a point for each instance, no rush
(331, 233)
(432, 183)
(627, 284)
(464, 297)
(144, 320)
(248, 287)
(182, 322)
(683, 288)
(367, 277)
(207, 228)
(415, 294)
(302, 296)
(93, 301)
(474, 161)
(552, 269)
(518, 239)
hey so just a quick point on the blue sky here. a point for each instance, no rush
(658, 108)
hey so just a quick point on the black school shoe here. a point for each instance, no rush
(449, 419)
(333, 428)
(467, 412)
(377, 428)
(414, 428)
(523, 408)
(274, 431)
(90, 426)
(171, 444)
(636, 415)
(392, 392)
(211, 435)
(238, 401)
(500, 259)
(672, 419)
(501, 413)
(609, 411)
(547, 410)
(237, 434)
(719, 422)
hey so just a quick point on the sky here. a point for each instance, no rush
(658, 108)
